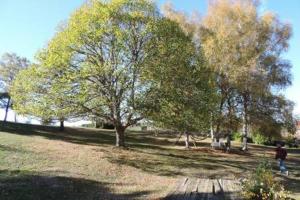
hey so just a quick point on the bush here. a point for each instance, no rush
(259, 138)
(144, 128)
(237, 136)
(101, 126)
(261, 185)
(46, 121)
(291, 141)
(250, 140)
(108, 126)
(89, 125)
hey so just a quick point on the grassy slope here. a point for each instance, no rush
(42, 163)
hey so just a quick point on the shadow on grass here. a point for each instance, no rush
(292, 184)
(82, 136)
(25, 185)
(174, 166)
(73, 135)
(156, 155)
(158, 158)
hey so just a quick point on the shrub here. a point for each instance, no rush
(261, 185)
(108, 126)
(259, 138)
(249, 140)
(291, 141)
(237, 136)
(89, 125)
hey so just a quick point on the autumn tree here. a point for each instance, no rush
(224, 99)
(10, 65)
(245, 48)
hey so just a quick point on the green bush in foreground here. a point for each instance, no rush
(261, 185)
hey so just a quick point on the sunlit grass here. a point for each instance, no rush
(85, 163)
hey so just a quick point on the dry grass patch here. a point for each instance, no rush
(84, 164)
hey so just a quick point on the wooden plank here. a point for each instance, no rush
(225, 189)
(210, 189)
(175, 193)
(235, 189)
(195, 190)
(204, 189)
(231, 189)
(183, 190)
(221, 184)
(190, 189)
(217, 187)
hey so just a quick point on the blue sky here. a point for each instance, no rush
(27, 25)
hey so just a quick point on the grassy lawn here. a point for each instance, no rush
(42, 163)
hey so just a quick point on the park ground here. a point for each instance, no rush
(38, 162)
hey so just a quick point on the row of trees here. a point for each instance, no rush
(123, 61)
(244, 50)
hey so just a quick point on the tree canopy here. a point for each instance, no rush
(103, 57)
(123, 61)
(243, 48)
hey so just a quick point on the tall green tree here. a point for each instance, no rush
(185, 89)
(104, 53)
(273, 114)
(186, 106)
(190, 105)
(38, 93)
(10, 65)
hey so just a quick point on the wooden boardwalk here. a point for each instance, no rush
(206, 189)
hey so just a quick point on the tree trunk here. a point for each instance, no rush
(245, 125)
(245, 136)
(15, 117)
(187, 140)
(221, 107)
(120, 136)
(211, 129)
(62, 125)
(98, 123)
(6, 110)
(228, 143)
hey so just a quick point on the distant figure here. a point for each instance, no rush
(281, 154)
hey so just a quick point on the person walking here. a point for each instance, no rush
(281, 155)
